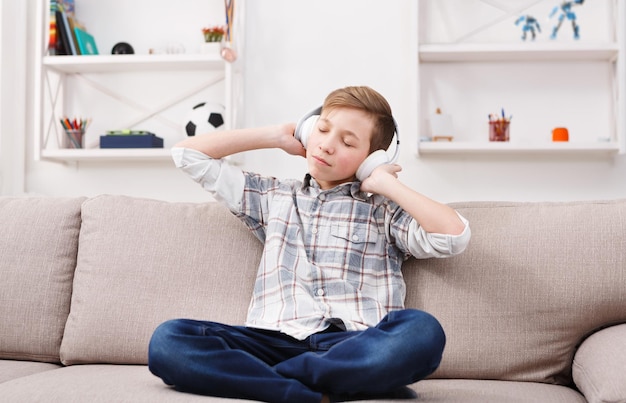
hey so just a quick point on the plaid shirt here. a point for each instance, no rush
(330, 256)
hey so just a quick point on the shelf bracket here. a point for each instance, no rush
(53, 97)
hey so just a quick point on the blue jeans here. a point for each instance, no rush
(239, 362)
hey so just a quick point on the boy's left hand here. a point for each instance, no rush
(381, 177)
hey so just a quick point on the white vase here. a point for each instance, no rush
(212, 48)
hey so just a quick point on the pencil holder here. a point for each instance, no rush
(499, 130)
(75, 138)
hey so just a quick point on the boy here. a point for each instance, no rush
(327, 318)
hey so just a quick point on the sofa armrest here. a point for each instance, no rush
(599, 368)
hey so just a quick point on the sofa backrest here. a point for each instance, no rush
(38, 246)
(536, 279)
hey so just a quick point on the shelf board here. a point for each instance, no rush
(109, 154)
(530, 51)
(126, 63)
(459, 147)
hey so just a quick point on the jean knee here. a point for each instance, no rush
(430, 341)
(431, 327)
(425, 321)
(164, 332)
(160, 349)
(424, 329)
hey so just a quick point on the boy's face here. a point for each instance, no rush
(339, 143)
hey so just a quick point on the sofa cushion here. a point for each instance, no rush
(38, 246)
(490, 391)
(96, 383)
(142, 262)
(599, 369)
(535, 279)
(11, 369)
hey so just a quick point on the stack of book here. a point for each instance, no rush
(67, 36)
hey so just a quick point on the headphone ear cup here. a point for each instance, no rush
(304, 129)
(306, 124)
(373, 161)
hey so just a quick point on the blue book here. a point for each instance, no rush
(86, 42)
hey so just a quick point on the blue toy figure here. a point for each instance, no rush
(530, 23)
(565, 9)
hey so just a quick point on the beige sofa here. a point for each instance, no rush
(534, 310)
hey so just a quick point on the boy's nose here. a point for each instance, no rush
(327, 145)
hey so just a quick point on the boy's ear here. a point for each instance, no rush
(306, 125)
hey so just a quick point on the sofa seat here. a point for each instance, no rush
(134, 383)
(487, 391)
(93, 383)
(11, 369)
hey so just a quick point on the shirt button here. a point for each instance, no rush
(322, 197)
(319, 292)
(314, 230)
(355, 238)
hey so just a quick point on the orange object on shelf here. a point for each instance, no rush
(560, 134)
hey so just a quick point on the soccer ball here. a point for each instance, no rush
(204, 117)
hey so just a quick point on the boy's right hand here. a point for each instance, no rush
(382, 179)
(288, 142)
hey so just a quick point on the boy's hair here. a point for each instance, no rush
(371, 102)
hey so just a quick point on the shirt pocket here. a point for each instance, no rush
(358, 249)
(353, 233)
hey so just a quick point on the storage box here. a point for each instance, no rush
(148, 140)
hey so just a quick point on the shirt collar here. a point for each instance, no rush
(352, 188)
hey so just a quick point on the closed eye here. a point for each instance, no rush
(322, 128)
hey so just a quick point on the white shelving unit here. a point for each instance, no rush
(497, 147)
(125, 63)
(608, 56)
(474, 52)
(111, 154)
(52, 74)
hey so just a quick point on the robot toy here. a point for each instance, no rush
(565, 11)
(530, 23)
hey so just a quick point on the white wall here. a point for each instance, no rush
(12, 96)
(298, 51)
(2, 96)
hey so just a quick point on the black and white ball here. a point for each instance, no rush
(204, 118)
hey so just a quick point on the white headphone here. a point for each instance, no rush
(379, 157)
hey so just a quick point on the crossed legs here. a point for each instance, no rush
(238, 362)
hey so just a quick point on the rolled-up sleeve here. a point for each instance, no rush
(224, 181)
(424, 244)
